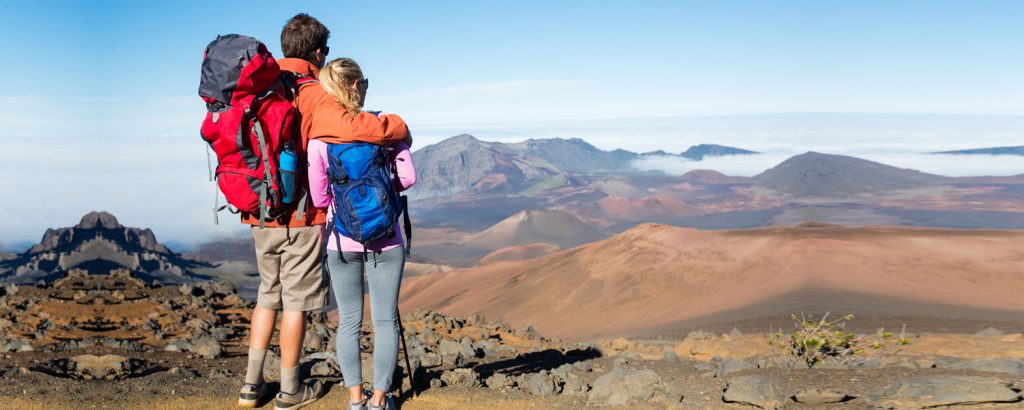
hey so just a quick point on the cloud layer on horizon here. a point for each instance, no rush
(751, 165)
(160, 181)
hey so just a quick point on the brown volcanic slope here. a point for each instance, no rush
(558, 227)
(656, 275)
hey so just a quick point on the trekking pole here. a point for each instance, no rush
(408, 366)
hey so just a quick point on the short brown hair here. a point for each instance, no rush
(302, 35)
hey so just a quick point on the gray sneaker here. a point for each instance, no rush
(389, 403)
(250, 394)
(308, 392)
(358, 406)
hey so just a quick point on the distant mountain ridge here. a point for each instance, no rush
(698, 152)
(1019, 150)
(464, 163)
(817, 175)
(98, 244)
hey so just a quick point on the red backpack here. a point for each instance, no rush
(248, 121)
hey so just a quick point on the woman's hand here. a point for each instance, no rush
(408, 138)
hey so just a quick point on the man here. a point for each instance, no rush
(290, 250)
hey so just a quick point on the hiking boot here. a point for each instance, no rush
(250, 394)
(389, 404)
(308, 393)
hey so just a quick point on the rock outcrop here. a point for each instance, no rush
(99, 244)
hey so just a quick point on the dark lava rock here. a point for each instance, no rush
(499, 381)
(461, 377)
(1004, 365)
(732, 365)
(541, 384)
(934, 391)
(759, 391)
(623, 386)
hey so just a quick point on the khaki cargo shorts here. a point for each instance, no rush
(290, 261)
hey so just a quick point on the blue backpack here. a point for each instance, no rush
(366, 202)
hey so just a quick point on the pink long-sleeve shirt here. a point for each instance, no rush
(320, 193)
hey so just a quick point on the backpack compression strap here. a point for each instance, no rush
(258, 128)
(216, 192)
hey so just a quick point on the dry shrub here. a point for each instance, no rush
(814, 341)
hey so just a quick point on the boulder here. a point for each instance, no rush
(541, 384)
(461, 377)
(468, 350)
(326, 367)
(732, 365)
(197, 323)
(499, 381)
(623, 386)
(486, 347)
(176, 345)
(934, 391)
(527, 332)
(106, 367)
(1004, 365)
(221, 333)
(208, 347)
(574, 384)
(706, 369)
(430, 359)
(313, 342)
(429, 337)
(758, 391)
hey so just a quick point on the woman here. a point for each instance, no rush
(382, 262)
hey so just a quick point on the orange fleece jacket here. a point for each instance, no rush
(322, 117)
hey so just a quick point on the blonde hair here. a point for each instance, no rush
(337, 77)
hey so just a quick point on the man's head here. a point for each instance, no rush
(305, 37)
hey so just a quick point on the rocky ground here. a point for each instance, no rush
(114, 342)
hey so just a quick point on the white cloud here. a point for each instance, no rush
(750, 165)
(158, 183)
(100, 117)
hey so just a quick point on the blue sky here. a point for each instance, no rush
(456, 62)
(107, 89)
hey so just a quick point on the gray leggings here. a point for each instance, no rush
(384, 276)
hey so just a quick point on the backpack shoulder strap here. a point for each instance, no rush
(408, 225)
(333, 162)
(292, 82)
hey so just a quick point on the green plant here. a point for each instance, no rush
(813, 341)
